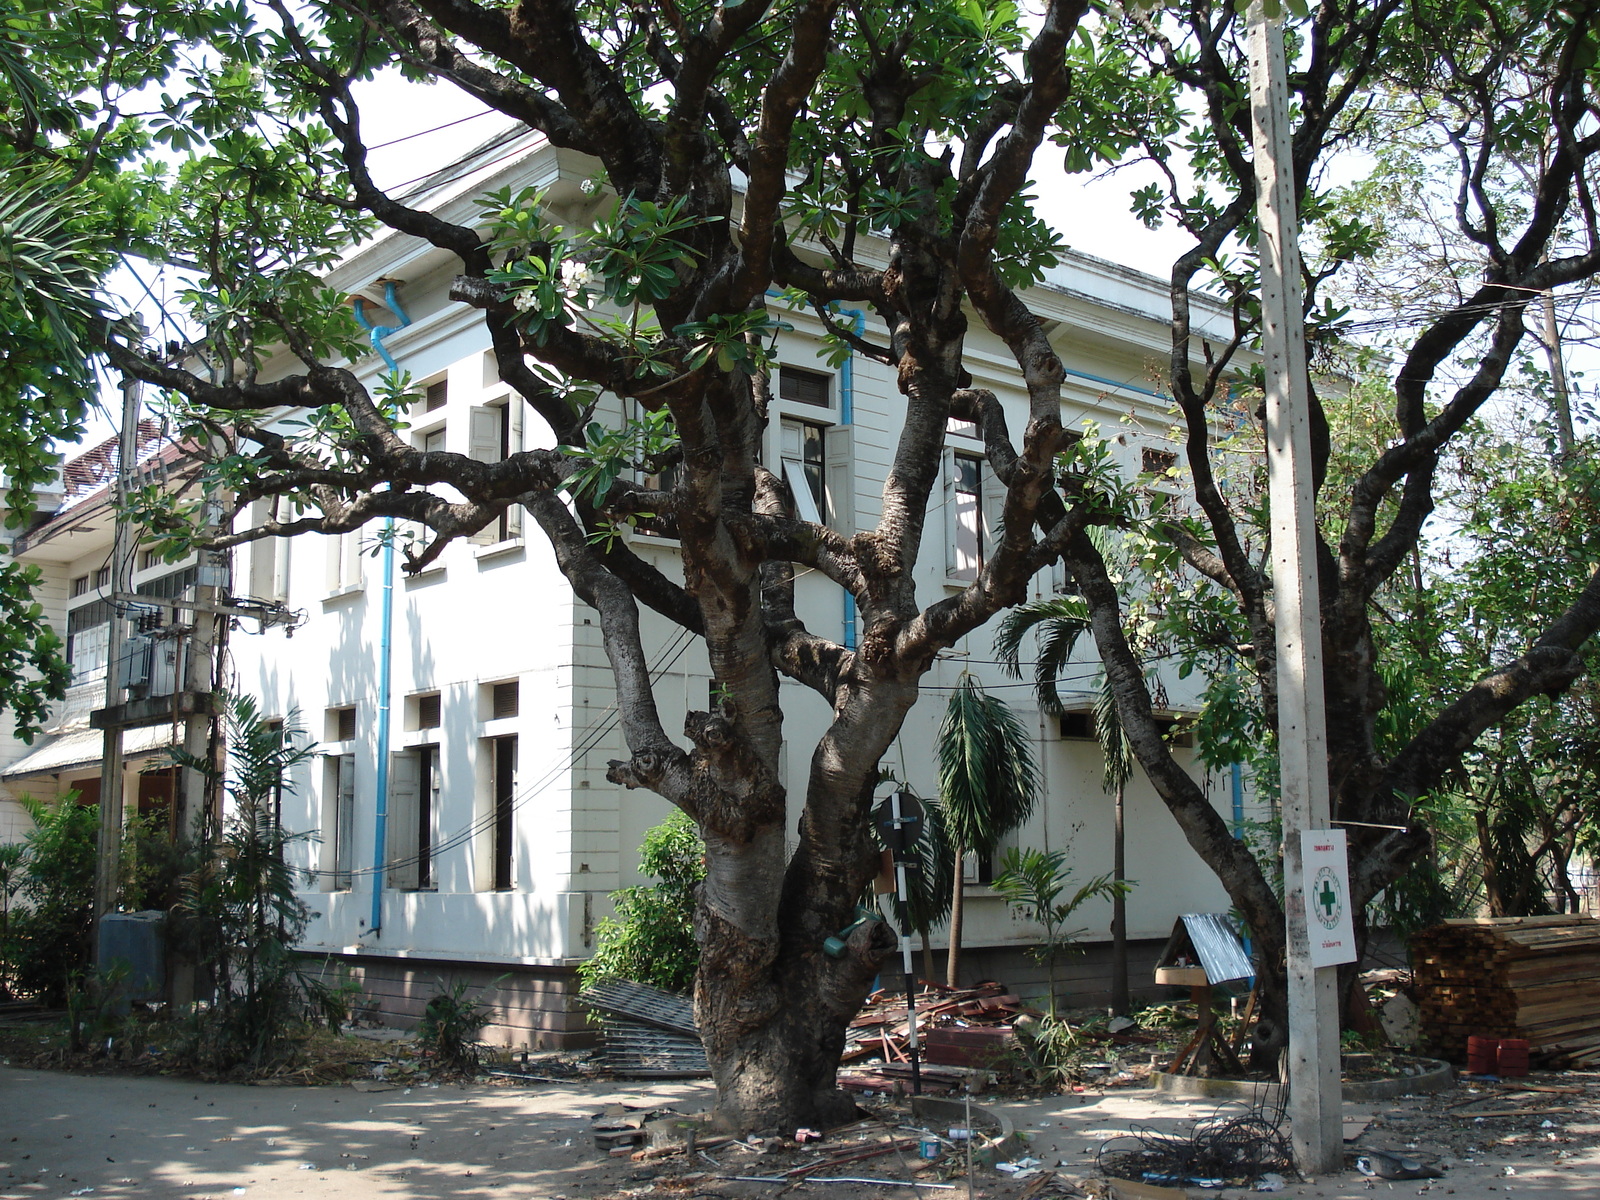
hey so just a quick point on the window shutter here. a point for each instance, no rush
(994, 508)
(804, 387)
(948, 469)
(344, 560)
(428, 711)
(344, 821)
(506, 699)
(840, 479)
(514, 445)
(1057, 571)
(405, 776)
(335, 569)
(484, 444)
(484, 441)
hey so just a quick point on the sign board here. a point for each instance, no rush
(1329, 925)
(899, 835)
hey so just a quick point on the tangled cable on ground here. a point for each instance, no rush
(1225, 1147)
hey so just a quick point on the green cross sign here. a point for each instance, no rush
(1329, 899)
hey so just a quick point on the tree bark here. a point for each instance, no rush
(952, 970)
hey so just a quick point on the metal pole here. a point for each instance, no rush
(1314, 1096)
(108, 860)
(905, 947)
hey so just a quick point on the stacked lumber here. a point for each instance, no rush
(1511, 977)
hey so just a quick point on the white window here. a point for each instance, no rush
(973, 499)
(87, 648)
(502, 803)
(269, 558)
(496, 434)
(339, 820)
(413, 809)
(802, 447)
(344, 560)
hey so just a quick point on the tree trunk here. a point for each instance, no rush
(775, 1061)
(952, 975)
(1271, 1036)
(1119, 912)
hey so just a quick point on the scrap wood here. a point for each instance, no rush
(837, 1160)
(1508, 1112)
(1127, 1189)
(710, 1143)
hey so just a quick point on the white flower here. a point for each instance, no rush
(575, 277)
(523, 300)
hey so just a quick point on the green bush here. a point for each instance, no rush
(50, 929)
(651, 939)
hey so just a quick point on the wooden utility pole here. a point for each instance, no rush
(1314, 1090)
(108, 864)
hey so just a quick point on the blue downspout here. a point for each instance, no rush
(847, 416)
(385, 655)
(380, 831)
(379, 332)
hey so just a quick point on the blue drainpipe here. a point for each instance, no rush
(386, 635)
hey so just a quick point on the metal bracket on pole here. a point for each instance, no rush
(1314, 1090)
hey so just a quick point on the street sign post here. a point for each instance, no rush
(900, 822)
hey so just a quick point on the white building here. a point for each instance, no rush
(504, 838)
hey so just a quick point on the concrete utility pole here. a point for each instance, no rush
(108, 864)
(1314, 1090)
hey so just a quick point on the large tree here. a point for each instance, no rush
(753, 146)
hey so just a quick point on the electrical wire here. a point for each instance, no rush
(586, 741)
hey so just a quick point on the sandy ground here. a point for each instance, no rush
(119, 1136)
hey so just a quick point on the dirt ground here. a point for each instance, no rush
(113, 1136)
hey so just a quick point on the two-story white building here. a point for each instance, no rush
(504, 839)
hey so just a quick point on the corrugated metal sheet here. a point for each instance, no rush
(1208, 940)
(648, 1032)
(640, 1002)
(1217, 947)
(85, 747)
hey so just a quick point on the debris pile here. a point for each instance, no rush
(1224, 1151)
(959, 1032)
(887, 1145)
(1511, 977)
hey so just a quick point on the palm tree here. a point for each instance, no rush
(1059, 622)
(988, 785)
(1118, 769)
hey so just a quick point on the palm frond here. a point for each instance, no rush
(988, 777)
(1114, 744)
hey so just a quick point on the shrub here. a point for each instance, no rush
(240, 916)
(651, 939)
(450, 1027)
(50, 930)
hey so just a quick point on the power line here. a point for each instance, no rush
(586, 741)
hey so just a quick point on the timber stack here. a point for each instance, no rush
(1511, 977)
